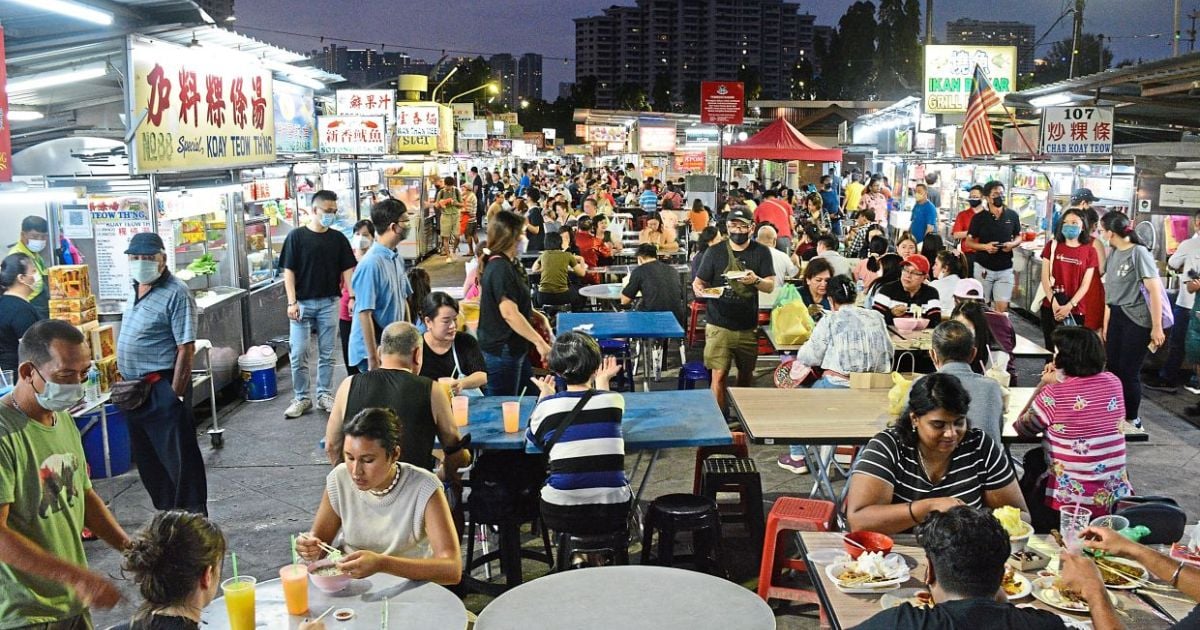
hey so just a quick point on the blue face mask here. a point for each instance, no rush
(328, 219)
(1072, 231)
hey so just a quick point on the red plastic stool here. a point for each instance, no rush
(764, 344)
(737, 449)
(694, 327)
(791, 514)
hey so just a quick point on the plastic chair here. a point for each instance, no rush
(620, 349)
(673, 514)
(693, 372)
(791, 514)
(738, 448)
(614, 544)
(694, 328)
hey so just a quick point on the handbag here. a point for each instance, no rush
(131, 395)
(1168, 314)
(1039, 296)
(539, 436)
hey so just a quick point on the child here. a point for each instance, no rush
(579, 429)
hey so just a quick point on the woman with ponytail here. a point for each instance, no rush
(1133, 312)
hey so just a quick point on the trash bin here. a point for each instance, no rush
(92, 434)
(258, 376)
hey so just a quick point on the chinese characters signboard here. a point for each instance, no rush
(194, 113)
(351, 135)
(5, 136)
(423, 128)
(114, 222)
(949, 68)
(722, 102)
(417, 120)
(364, 102)
(1077, 130)
(295, 119)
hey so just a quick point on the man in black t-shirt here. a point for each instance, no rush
(966, 548)
(993, 235)
(316, 260)
(730, 337)
(535, 224)
(658, 283)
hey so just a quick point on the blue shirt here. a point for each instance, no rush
(522, 185)
(154, 326)
(830, 203)
(380, 286)
(648, 200)
(924, 215)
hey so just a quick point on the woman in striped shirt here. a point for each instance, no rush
(586, 491)
(929, 460)
(1077, 409)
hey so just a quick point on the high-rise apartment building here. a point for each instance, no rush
(520, 77)
(689, 41)
(364, 67)
(988, 33)
(529, 76)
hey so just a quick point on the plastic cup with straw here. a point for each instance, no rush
(512, 414)
(239, 598)
(294, 578)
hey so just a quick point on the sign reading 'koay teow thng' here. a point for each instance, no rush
(949, 70)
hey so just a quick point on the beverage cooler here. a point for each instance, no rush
(269, 212)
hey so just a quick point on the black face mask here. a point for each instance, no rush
(739, 238)
(974, 203)
(997, 201)
(828, 186)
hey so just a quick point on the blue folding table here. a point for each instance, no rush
(626, 325)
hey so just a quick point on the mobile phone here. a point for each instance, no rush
(1153, 347)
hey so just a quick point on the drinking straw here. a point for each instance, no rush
(522, 396)
(233, 558)
(295, 556)
(385, 614)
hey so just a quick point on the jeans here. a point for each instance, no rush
(797, 450)
(508, 374)
(321, 314)
(344, 333)
(1175, 344)
(162, 435)
(1125, 350)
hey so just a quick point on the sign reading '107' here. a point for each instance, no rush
(1077, 130)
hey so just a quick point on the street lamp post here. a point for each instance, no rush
(490, 86)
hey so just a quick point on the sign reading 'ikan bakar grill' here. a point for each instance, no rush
(193, 111)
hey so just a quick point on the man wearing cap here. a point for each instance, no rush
(35, 234)
(157, 341)
(1083, 199)
(910, 296)
(994, 234)
(731, 334)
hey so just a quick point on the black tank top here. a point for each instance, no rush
(406, 394)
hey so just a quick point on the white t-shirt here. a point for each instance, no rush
(1186, 257)
(393, 524)
(945, 288)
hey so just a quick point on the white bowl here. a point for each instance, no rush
(1018, 542)
(328, 583)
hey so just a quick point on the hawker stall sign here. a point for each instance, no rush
(949, 70)
(295, 119)
(1077, 130)
(5, 136)
(351, 135)
(722, 102)
(364, 102)
(423, 128)
(191, 112)
(417, 120)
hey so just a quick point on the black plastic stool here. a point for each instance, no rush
(615, 544)
(672, 514)
(740, 475)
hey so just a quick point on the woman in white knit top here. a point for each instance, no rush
(392, 517)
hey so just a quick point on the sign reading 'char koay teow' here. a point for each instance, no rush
(196, 112)
(1077, 130)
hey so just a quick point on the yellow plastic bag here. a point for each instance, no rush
(898, 394)
(791, 324)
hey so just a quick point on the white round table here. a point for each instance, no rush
(610, 291)
(628, 597)
(410, 605)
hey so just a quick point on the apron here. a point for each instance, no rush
(470, 393)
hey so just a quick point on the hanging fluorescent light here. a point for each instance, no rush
(50, 79)
(1051, 100)
(77, 10)
(38, 195)
(24, 115)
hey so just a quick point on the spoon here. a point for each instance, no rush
(853, 542)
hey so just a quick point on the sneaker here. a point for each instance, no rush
(1159, 384)
(298, 408)
(797, 466)
(1132, 426)
(325, 402)
(1193, 390)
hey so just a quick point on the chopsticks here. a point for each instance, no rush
(332, 551)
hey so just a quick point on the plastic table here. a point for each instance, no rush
(631, 597)
(626, 325)
(410, 605)
(596, 292)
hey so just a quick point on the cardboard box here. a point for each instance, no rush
(872, 380)
(108, 373)
(69, 282)
(72, 305)
(104, 342)
(86, 328)
(79, 318)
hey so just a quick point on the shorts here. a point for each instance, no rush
(997, 285)
(724, 347)
(448, 226)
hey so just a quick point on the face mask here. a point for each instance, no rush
(1072, 231)
(358, 241)
(739, 238)
(36, 246)
(997, 201)
(402, 232)
(57, 396)
(144, 271)
(974, 203)
(327, 219)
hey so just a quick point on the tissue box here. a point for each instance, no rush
(71, 305)
(104, 342)
(69, 282)
(108, 373)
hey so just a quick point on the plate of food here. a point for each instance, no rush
(1015, 585)
(1186, 554)
(1122, 574)
(916, 597)
(711, 293)
(870, 573)
(1049, 591)
(736, 275)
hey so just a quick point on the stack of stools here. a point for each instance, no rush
(620, 349)
(694, 329)
(673, 514)
(740, 475)
(737, 449)
(790, 514)
(614, 545)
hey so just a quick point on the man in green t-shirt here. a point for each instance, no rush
(46, 498)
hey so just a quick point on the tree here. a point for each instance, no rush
(471, 74)
(1089, 61)
(751, 80)
(660, 94)
(803, 85)
(898, 48)
(631, 96)
(583, 92)
(847, 67)
(691, 97)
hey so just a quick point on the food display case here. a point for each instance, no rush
(412, 183)
(269, 214)
(200, 231)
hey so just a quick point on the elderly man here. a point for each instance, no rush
(45, 496)
(952, 352)
(33, 241)
(158, 339)
(422, 405)
(827, 248)
(784, 265)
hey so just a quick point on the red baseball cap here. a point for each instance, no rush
(918, 261)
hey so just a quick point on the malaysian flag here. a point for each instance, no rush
(977, 131)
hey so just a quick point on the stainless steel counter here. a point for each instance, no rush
(221, 323)
(266, 314)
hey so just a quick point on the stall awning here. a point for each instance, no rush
(780, 141)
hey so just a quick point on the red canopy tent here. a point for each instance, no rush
(780, 141)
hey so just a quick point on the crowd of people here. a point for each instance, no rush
(935, 469)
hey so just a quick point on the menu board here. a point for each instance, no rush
(114, 222)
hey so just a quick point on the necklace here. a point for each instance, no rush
(395, 480)
(12, 401)
(924, 467)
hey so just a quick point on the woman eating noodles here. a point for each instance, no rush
(655, 234)
(815, 290)
(393, 517)
(930, 459)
